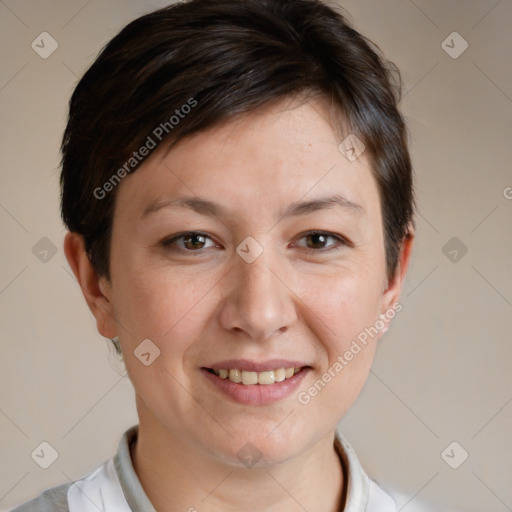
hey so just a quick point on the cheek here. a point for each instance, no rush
(163, 305)
(167, 307)
(344, 303)
(346, 309)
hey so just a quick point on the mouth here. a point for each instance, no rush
(256, 384)
(255, 378)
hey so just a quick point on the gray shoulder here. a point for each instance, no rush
(51, 500)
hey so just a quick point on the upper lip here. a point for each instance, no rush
(256, 366)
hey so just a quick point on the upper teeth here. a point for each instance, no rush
(248, 378)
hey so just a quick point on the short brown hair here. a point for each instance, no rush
(229, 57)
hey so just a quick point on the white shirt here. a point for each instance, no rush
(115, 487)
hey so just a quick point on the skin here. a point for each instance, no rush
(208, 304)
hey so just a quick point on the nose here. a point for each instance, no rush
(258, 301)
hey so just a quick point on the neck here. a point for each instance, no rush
(179, 477)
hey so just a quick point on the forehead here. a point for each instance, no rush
(268, 158)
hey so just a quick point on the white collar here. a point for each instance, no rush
(115, 487)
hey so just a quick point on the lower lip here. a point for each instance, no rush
(257, 394)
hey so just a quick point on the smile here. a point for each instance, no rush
(249, 378)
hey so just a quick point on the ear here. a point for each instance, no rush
(96, 290)
(391, 294)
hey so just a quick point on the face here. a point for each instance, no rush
(278, 262)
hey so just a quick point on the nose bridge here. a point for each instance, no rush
(258, 302)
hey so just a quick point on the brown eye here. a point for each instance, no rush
(318, 240)
(188, 242)
(194, 241)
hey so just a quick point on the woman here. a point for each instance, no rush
(237, 187)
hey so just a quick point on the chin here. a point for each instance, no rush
(261, 447)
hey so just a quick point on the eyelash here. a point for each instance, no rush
(339, 239)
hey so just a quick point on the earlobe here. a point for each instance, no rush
(94, 288)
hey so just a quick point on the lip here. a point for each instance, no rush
(256, 394)
(254, 366)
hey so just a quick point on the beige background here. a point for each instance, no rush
(442, 373)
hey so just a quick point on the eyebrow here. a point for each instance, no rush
(210, 208)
